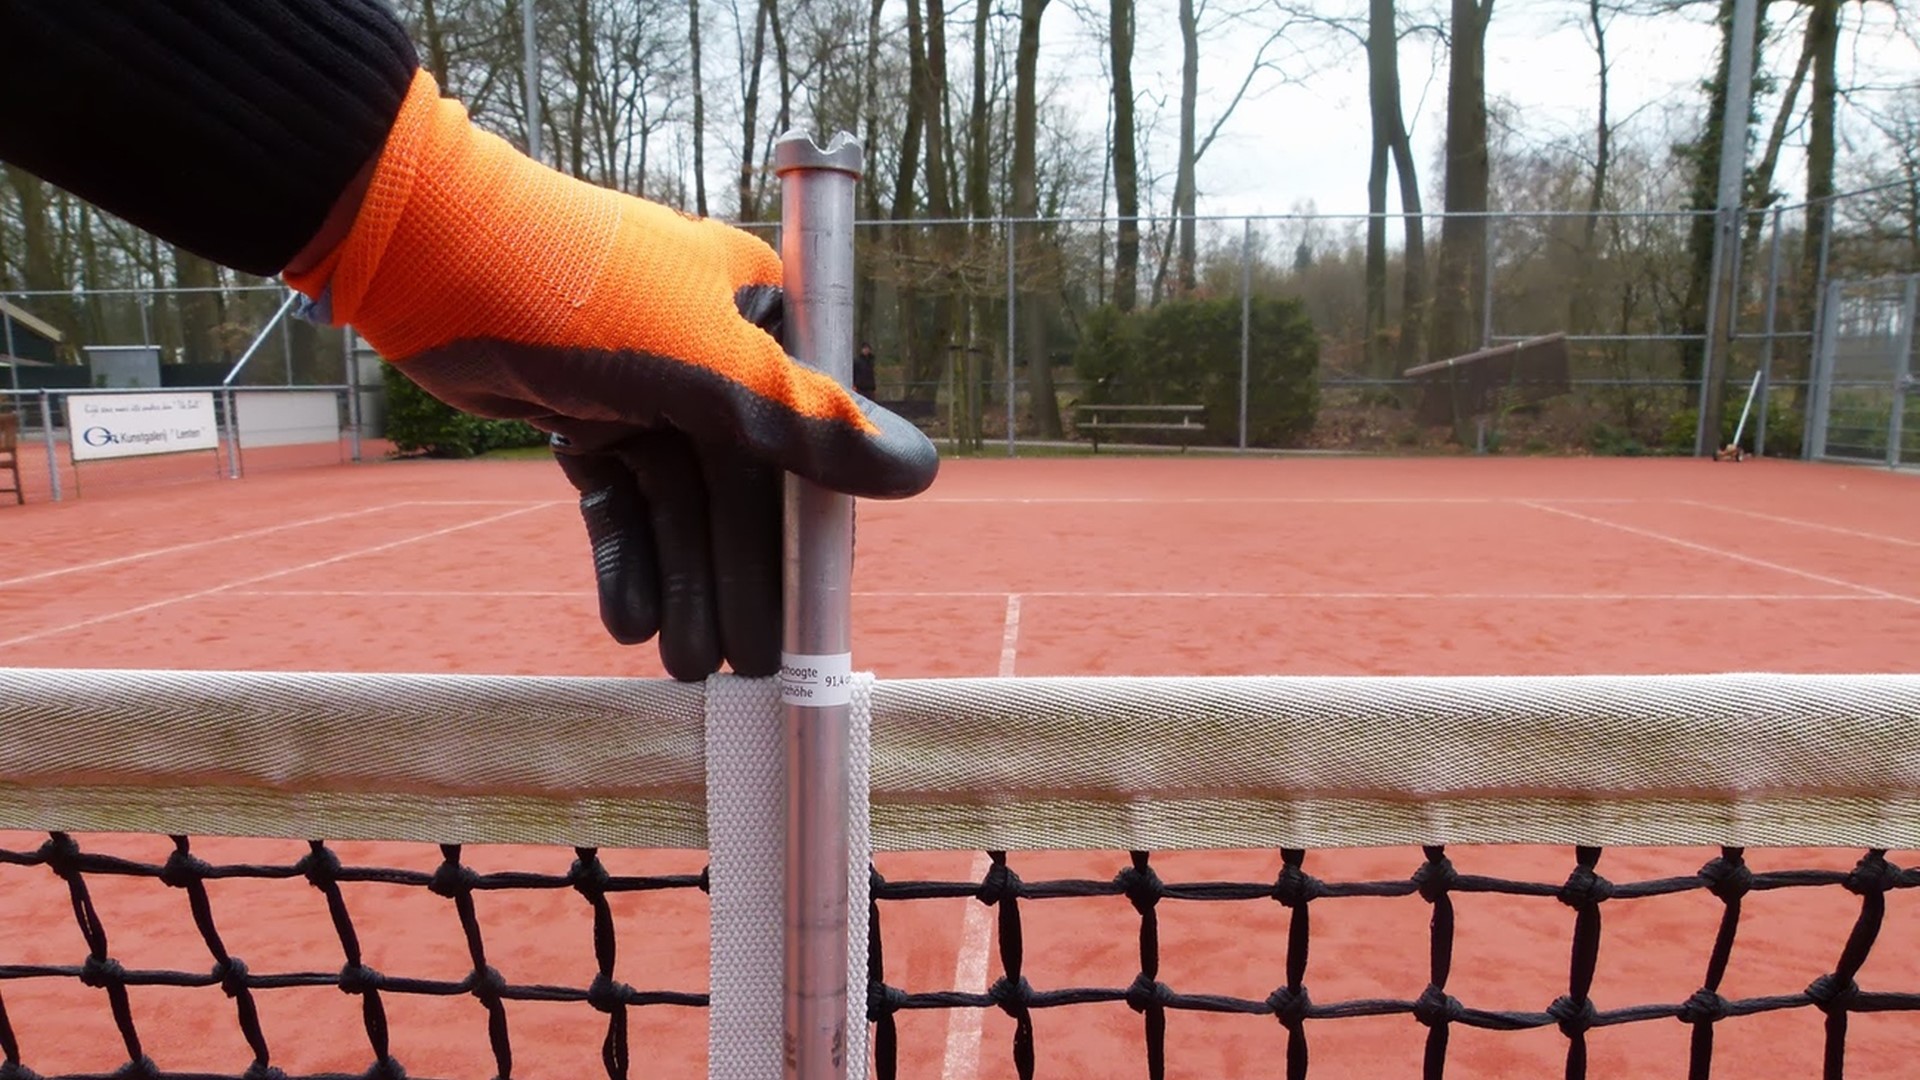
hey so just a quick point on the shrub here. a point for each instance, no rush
(1188, 352)
(419, 423)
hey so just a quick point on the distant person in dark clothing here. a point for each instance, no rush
(863, 377)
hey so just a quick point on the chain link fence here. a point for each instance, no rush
(1267, 333)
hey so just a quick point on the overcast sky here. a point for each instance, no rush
(1310, 142)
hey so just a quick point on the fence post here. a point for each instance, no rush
(13, 362)
(352, 380)
(1766, 341)
(1820, 374)
(1486, 287)
(46, 435)
(816, 248)
(1900, 352)
(1819, 318)
(1006, 225)
(1246, 319)
(233, 438)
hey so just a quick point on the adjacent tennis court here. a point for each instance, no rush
(1030, 568)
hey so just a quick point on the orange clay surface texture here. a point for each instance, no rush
(1031, 567)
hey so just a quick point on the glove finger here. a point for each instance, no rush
(622, 541)
(669, 477)
(815, 427)
(746, 508)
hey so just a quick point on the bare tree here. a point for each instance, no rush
(699, 111)
(1126, 169)
(1390, 143)
(1463, 233)
(1823, 42)
(1026, 204)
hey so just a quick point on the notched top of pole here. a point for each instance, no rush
(797, 150)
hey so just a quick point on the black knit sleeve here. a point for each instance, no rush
(228, 127)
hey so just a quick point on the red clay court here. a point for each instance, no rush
(1031, 567)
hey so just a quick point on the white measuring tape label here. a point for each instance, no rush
(818, 680)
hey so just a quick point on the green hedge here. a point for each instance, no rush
(419, 423)
(1185, 352)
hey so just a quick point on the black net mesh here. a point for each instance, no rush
(323, 870)
(1726, 878)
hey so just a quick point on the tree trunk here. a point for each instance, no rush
(1126, 171)
(1582, 315)
(750, 115)
(1026, 204)
(1381, 82)
(1184, 196)
(436, 42)
(699, 112)
(950, 331)
(1463, 238)
(922, 370)
(1823, 41)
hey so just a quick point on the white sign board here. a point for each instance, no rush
(287, 417)
(134, 425)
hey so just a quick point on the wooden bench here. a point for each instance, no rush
(1184, 422)
(10, 455)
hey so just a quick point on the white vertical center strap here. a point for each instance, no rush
(746, 853)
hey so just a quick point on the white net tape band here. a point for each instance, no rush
(1101, 763)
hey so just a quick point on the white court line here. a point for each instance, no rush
(1822, 526)
(79, 624)
(193, 545)
(1719, 554)
(1010, 637)
(1259, 500)
(964, 1026)
(1503, 597)
(528, 503)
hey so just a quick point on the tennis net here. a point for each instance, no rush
(1157, 768)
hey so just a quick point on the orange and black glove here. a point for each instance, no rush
(645, 342)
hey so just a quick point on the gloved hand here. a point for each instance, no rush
(640, 339)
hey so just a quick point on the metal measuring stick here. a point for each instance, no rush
(816, 251)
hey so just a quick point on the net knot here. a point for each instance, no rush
(100, 972)
(1295, 887)
(257, 1071)
(182, 869)
(1873, 874)
(1141, 885)
(384, 1069)
(1147, 992)
(1704, 1007)
(1584, 888)
(1012, 997)
(1829, 993)
(452, 880)
(61, 854)
(606, 995)
(231, 973)
(13, 1070)
(1435, 1007)
(143, 1069)
(1290, 1006)
(360, 979)
(588, 875)
(1728, 879)
(320, 866)
(487, 984)
(884, 1001)
(1435, 878)
(1574, 1017)
(1001, 883)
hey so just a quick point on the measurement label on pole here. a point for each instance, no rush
(819, 680)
